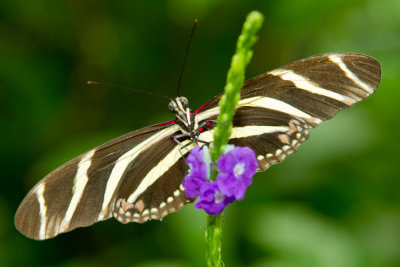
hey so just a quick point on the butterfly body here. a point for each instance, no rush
(138, 176)
(186, 120)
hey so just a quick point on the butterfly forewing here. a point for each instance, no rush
(297, 97)
(139, 176)
(84, 190)
(319, 86)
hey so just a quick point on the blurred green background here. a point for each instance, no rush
(334, 203)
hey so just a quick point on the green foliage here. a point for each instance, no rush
(342, 184)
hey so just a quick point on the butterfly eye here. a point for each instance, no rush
(184, 102)
(172, 106)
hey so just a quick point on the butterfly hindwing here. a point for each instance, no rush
(156, 189)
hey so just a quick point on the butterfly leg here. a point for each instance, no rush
(176, 138)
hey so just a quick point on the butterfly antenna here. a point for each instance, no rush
(127, 88)
(186, 55)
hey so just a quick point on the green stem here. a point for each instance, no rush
(234, 82)
(213, 240)
(223, 129)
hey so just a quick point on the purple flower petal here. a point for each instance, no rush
(212, 200)
(198, 172)
(192, 186)
(230, 186)
(237, 168)
(197, 166)
(239, 155)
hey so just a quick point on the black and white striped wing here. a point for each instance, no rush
(139, 176)
(133, 178)
(277, 108)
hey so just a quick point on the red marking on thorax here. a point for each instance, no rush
(200, 108)
(165, 123)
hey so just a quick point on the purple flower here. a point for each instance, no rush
(212, 200)
(236, 168)
(199, 170)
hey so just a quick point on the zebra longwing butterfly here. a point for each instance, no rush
(138, 176)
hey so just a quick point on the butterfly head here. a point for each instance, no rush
(179, 106)
(184, 117)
